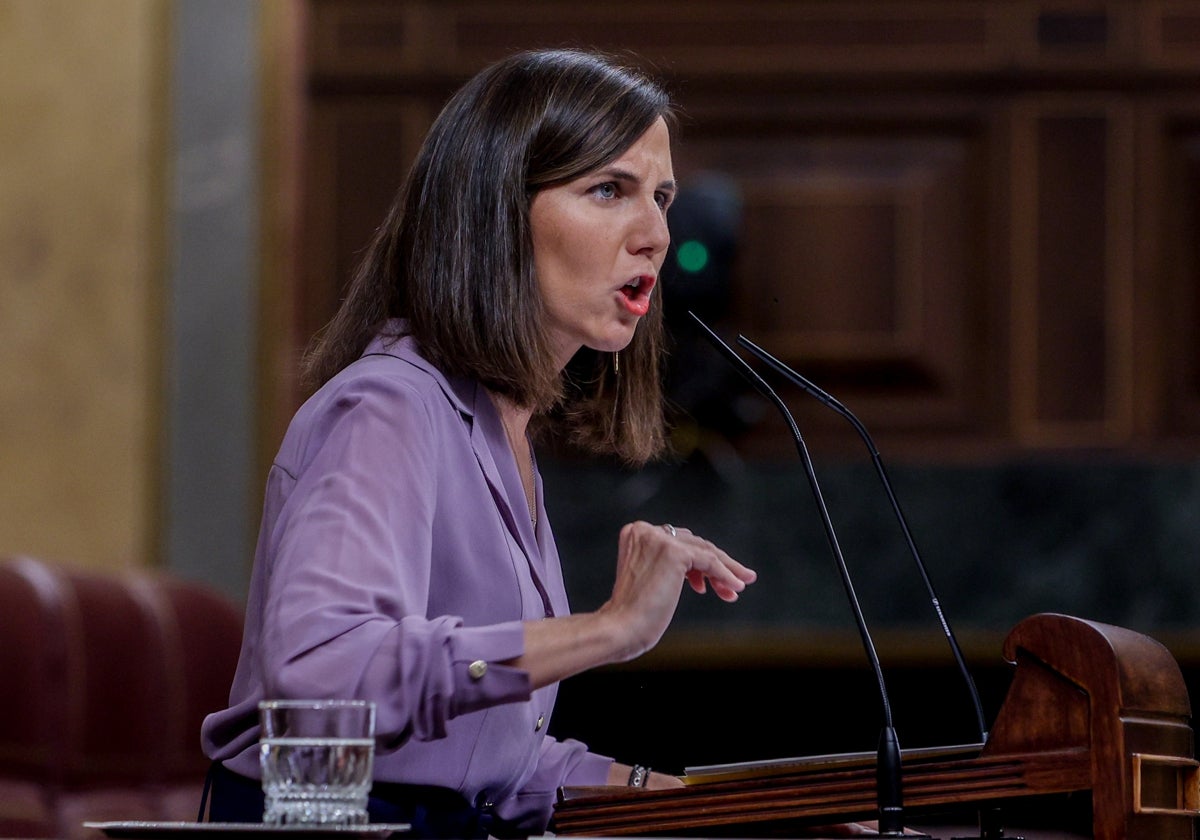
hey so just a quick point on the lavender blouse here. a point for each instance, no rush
(396, 561)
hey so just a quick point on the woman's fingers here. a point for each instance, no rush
(727, 576)
(652, 564)
(704, 564)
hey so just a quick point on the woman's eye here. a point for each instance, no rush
(606, 190)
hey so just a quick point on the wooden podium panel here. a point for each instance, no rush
(1092, 709)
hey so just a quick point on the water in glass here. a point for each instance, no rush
(316, 759)
(316, 780)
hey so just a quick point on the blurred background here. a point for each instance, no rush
(975, 222)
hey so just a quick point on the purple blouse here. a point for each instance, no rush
(396, 561)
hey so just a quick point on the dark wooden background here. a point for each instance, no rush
(976, 222)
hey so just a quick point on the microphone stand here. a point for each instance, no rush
(888, 783)
(989, 819)
(831, 402)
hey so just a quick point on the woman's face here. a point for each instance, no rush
(598, 243)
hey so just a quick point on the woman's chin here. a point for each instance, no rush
(613, 342)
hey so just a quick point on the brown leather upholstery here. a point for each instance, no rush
(105, 680)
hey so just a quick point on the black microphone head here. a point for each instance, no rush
(748, 373)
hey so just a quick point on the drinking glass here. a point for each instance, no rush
(316, 758)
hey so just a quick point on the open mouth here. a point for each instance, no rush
(637, 294)
(638, 287)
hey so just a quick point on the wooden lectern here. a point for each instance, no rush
(1092, 708)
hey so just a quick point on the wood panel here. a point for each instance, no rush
(1174, 325)
(974, 222)
(1173, 33)
(1072, 306)
(792, 40)
(682, 37)
(860, 257)
(361, 149)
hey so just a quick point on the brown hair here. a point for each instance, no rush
(454, 256)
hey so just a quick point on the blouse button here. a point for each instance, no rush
(538, 726)
(477, 669)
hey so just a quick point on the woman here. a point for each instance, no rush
(404, 555)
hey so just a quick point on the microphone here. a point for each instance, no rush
(888, 786)
(830, 402)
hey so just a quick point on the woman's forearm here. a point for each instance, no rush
(557, 648)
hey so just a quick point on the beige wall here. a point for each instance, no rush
(82, 120)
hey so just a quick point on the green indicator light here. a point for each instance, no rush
(692, 256)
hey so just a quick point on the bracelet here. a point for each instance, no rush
(639, 776)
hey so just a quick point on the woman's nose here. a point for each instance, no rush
(651, 234)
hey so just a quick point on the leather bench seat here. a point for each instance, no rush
(106, 678)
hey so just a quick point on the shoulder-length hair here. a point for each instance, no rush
(454, 256)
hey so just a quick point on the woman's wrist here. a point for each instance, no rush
(560, 647)
(623, 775)
(614, 629)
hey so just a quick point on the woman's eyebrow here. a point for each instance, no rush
(618, 174)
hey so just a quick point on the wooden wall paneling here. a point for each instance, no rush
(1066, 35)
(1149, 269)
(712, 39)
(992, 243)
(1022, 283)
(1072, 280)
(952, 37)
(1172, 34)
(689, 38)
(1071, 344)
(360, 149)
(1000, 196)
(1121, 267)
(860, 256)
(370, 39)
(1166, 230)
(1176, 319)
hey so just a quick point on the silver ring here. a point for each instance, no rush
(670, 529)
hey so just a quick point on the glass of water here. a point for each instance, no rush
(316, 758)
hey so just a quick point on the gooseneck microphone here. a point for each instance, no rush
(889, 789)
(829, 401)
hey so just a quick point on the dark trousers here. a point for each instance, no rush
(432, 812)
